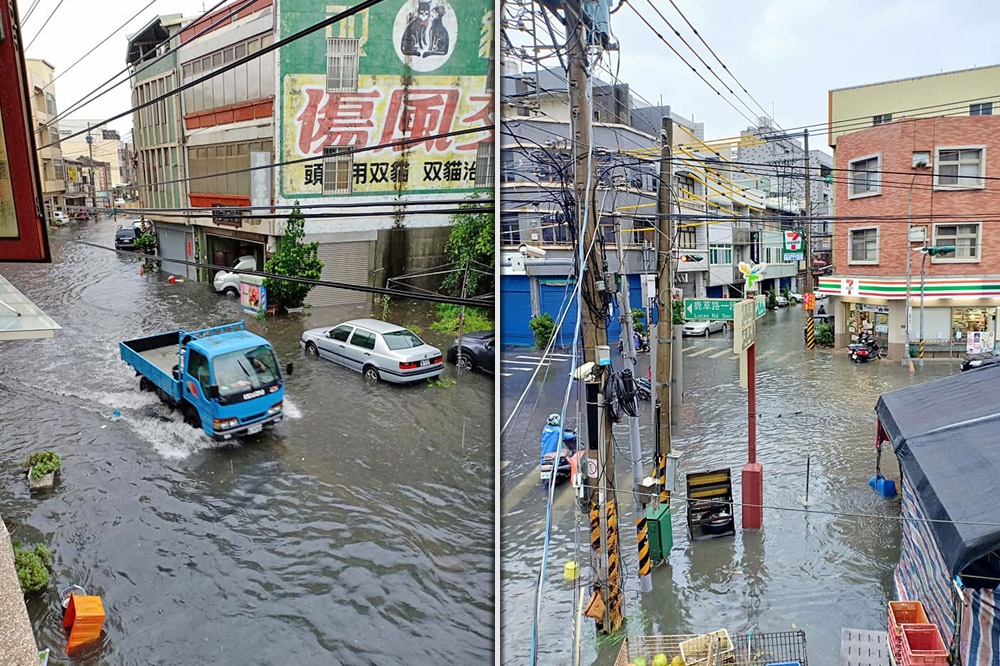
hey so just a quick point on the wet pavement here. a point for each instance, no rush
(819, 571)
(359, 531)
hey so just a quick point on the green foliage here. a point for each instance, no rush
(416, 328)
(824, 335)
(42, 463)
(32, 566)
(639, 320)
(785, 292)
(385, 307)
(145, 242)
(472, 239)
(442, 382)
(294, 259)
(543, 326)
(772, 299)
(450, 319)
(678, 313)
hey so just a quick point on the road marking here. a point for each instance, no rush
(703, 351)
(784, 357)
(564, 357)
(721, 353)
(531, 363)
(506, 374)
(767, 353)
(521, 369)
(538, 358)
(689, 348)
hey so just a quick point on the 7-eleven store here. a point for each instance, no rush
(953, 308)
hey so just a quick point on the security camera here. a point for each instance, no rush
(532, 251)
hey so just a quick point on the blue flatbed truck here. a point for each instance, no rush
(225, 380)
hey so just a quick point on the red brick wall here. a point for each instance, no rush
(897, 142)
(221, 17)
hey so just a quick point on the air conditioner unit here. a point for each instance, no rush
(619, 181)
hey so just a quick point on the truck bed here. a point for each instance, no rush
(164, 358)
(154, 358)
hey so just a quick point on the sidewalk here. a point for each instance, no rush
(15, 628)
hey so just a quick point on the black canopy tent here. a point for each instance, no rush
(946, 435)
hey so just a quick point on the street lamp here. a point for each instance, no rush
(919, 162)
(933, 251)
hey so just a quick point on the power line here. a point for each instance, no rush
(484, 301)
(305, 32)
(51, 14)
(28, 13)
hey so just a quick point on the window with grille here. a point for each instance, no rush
(338, 163)
(965, 238)
(864, 246)
(685, 187)
(882, 119)
(54, 135)
(60, 169)
(865, 176)
(687, 237)
(50, 104)
(510, 230)
(959, 168)
(981, 109)
(341, 64)
(484, 164)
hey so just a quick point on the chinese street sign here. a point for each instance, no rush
(420, 67)
(809, 301)
(744, 325)
(792, 246)
(709, 309)
(760, 306)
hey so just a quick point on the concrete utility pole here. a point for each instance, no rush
(628, 349)
(662, 338)
(90, 149)
(810, 325)
(603, 506)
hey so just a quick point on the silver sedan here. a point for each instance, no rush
(704, 327)
(377, 349)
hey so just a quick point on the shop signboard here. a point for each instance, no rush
(751, 276)
(253, 294)
(401, 69)
(978, 342)
(792, 246)
(809, 301)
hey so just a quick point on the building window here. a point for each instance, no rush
(865, 179)
(484, 164)
(510, 230)
(959, 168)
(864, 246)
(341, 64)
(687, 236)
(981, 109)
(50, 104)
(54, 135)
(965, 238)
(685, 186)
(338, 162)
(60, 169)
(882, 119)
(720, 255)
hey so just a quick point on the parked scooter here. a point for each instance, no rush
(639, 343)
(556, 454)
(865, 350)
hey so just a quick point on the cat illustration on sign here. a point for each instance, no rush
(426, 35)
(752, 273)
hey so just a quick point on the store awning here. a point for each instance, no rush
(20, 319)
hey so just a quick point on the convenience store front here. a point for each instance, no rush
(959, 315)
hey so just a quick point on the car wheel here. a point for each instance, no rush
(371, 373)
(231, 292)
(725, 328)
(465, 362)
(707, 331)
(311, 349)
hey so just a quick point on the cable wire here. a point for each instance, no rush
(51, 14)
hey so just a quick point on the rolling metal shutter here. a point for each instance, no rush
(515, 310)
(173, 245)
(555, 298)
(343, 262)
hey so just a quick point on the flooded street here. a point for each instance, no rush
(818, 570)
(358, 531)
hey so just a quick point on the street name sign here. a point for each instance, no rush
(744, 325)
(760, 306)
(708, 309)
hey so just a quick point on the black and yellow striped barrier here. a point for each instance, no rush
(810, 332)
(643, 541)
(614, 570)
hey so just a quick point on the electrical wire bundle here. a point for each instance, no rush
(621, 396)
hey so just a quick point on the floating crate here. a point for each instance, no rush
(748, 649)
(647, 646)
(695, 650)
(923, 646)
(904, 612)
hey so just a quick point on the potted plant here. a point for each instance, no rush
(32, 565)
(42, 468)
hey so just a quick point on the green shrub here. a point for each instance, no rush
(772, 299)
(450, 318)
(639, 321)
(43, 462)
(543, 326)
(146, 242)
(824, 335)
(678, 313)
(32, 566)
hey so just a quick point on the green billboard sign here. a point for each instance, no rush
(402, 69)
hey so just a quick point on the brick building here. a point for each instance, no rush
(950, 166)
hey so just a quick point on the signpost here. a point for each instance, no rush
(760, 303)
(809, 301)
(744, 343)
(709, 309)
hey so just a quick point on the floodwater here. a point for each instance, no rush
(359, 531)
(819, 570)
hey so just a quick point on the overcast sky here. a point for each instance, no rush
(75, 28)
(789, 53)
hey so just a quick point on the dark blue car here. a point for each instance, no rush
(477, 352)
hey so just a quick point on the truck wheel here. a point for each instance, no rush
(191, 416)
(146, 385)
(371, 372)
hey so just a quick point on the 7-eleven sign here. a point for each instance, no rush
(793, 241)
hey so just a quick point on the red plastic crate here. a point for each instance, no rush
(905, 612)
(923, 645)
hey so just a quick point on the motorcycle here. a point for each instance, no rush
(865, 350)
(564, 464)
(639, 343)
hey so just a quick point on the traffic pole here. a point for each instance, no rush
(753, 471)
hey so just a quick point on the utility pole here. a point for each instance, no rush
(809, 289)
(90, 149)
(628, 349)
(603, 506)
(662, 341)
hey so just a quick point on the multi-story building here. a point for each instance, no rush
(106, 145)
(911, 180)
(156, 133)
(50, 159)
(86, 180)
(406, 69)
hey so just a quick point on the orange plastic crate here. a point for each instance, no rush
(923, 646)
(904, 612)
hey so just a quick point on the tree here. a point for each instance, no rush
(471, 243)
(294, 259)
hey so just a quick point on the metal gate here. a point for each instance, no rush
(556, 297)
(515, 310)
(348, 262)
(173, 245)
